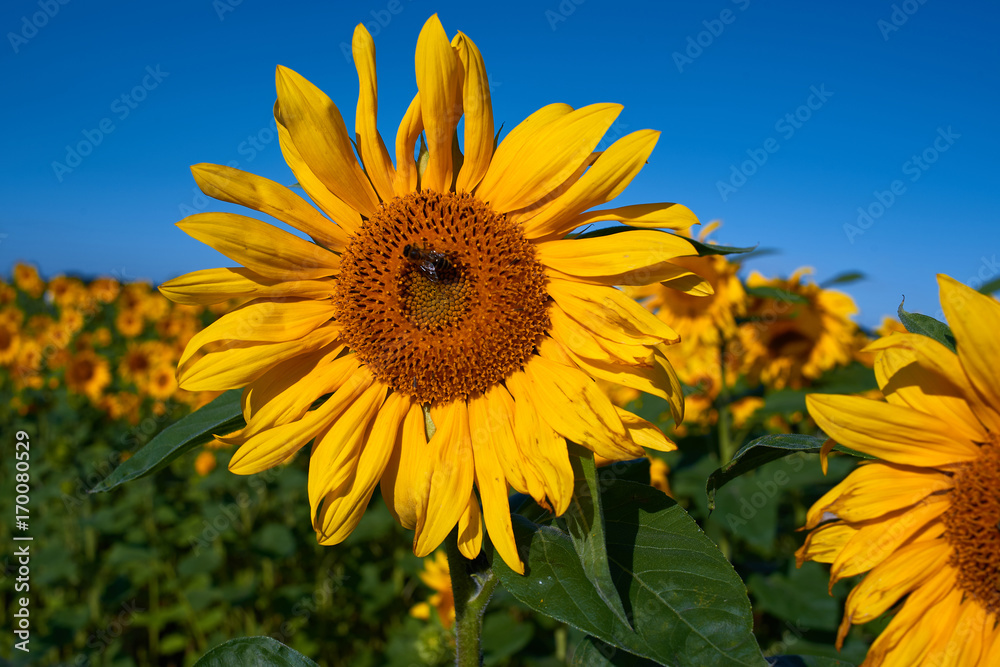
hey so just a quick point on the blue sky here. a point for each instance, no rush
(782, 119)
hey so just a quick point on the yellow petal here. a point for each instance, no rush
(274, 445)
(610, 313)
(824, 544)
(470, 529)
(632, 257)
(335, 207)
(644, 433)
(439, 84)
(404, 482)
(217, 285)
(491, 417)
(975, 320)
(531, 164)
(267, 250)
(241, 363)
(478, 109)
(659, 216)
(448, 461)
(318, 132)
(335, 462)
(406, 140)
(904, 380)
(605, 180)
(877, 540)
(967, 640)
(372, 149)
(544, 450)
(907, 638)
(256, 192)
(891, 432)
(570, 402)
(491, 481)
(875, 489)
(263, 320)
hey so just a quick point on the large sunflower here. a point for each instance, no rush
(455, 330)
(923, 520)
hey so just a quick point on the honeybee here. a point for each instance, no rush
(434, 265)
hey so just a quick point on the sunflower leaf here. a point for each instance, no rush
(763, 450)
(687, 605)
(592, 652)
(926, 326)
(222, 415)
(713, 249)
(843, 279)
(584, 520)
(990, 287)
(776, 293)
(254, 652)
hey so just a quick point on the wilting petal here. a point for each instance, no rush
(478, 110)
(470, 529)
(372, 149)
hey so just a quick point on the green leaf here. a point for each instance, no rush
(254, 652)
(712, 249)
(584, 521)
(702, 248)
(805, 661)
(763, 450)
(843, 279)
(592, 652)
(220, 416)
(687, 604)
(775, 293)
(926, 326)
(990, 287)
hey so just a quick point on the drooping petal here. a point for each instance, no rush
(636, 253)
(491, 480)
(891, 432)
(212, 286)
(260, 194)
(262, 248)
(439, 83)
(449, 465)
(405, 481)
(492, 416)
(478, 109)
(371, 148)
(824, 544)
(658, 216)
(610, 313)
(605, 180)
(470, 529)
(272, 446)
(975, 320)
(318, 132)
(529, 165)
(644, 433)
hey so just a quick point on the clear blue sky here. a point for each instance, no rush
(725, 81)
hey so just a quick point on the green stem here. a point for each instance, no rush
(726, 446)
(472, 583)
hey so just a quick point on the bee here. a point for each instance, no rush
(434, 265)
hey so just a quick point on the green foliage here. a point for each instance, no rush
(927, 326)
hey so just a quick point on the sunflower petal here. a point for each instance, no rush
(439, 83)
(212, 286)
(644, 433)
(406, 141)
(470, 529)
(891, 432)
(657, 216)
(404, 482)
(262, 248)
(478, 110)
(318, 132)
(631, 256)
(260, 194)
(610, 314)
(371, 148)
(531, 164)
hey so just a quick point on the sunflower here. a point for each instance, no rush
(790, 341)
(27, 280)
(437, 576)
(88, 373)
(923, 520)
(455, 328)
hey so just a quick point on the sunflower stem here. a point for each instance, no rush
(472, 583)
(726, 446)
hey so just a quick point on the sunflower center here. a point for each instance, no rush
(441, 296)
(973, 526)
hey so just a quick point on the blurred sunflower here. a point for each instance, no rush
(27, 280)
(10, 341)
(88, 373)
(788, 342)
(457, 330)
(923, 520)
(437, 575)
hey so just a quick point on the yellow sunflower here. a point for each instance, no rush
(437, 575)
(788, 343)
(924, 519)
(88, 373)
(456, 329)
